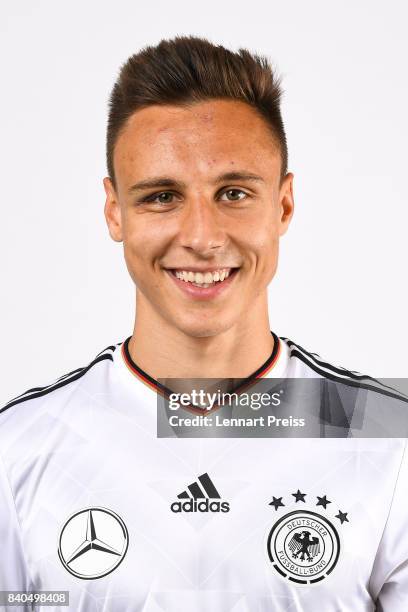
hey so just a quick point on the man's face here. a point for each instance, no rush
(211, 201)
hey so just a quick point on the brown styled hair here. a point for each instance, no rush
(187, 69)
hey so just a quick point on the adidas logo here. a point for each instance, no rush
(198, 498)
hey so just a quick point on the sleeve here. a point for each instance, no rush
(389, 578)
(14, 575)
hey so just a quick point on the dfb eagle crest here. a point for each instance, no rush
(305, 546)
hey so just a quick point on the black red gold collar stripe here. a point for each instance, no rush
(165, 391)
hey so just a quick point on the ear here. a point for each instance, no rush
(286, 203)
(112, 211)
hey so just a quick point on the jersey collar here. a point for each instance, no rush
(273, 367)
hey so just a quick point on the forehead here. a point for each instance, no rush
(195, 138)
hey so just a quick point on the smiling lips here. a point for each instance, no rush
(203, 279)
(203, 283)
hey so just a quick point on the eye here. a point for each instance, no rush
(235, 193)
(165, 197)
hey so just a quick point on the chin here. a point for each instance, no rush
(203, 329)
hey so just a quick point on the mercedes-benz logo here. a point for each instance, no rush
(92, 543)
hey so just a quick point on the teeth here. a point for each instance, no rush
(203, 279)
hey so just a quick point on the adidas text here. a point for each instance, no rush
(193, 505)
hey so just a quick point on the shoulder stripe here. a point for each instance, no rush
(60, 378)
(339, 374)
(63, 380)
(112, 348)
(324, 364)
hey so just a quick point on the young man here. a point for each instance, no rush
(92, 501)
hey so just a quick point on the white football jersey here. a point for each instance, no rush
(93, 502)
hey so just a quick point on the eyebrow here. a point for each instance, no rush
(165, 181)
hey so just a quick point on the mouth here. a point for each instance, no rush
(203, 283)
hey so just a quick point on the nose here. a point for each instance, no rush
(201, 227)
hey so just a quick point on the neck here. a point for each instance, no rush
(163, 350)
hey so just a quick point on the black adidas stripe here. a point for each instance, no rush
(196, 491)
(112, 348)
(63, 380)
(325, 364)
(351, 382)
(183, 495)
(209, 487)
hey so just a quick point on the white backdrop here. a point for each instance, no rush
(340, 290)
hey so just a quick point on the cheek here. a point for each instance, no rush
(144, 244)
(134, 248)
(268, 259)
(265, 263)
(262, 242)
